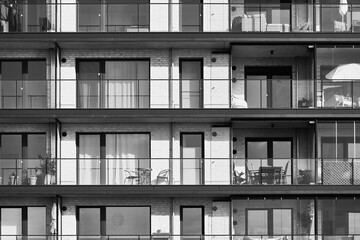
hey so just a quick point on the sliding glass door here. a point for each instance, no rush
(23, 84)
(118, 158)
(113, 83)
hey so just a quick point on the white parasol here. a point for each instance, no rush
(344, 72)
(343, 9)
(53, 219)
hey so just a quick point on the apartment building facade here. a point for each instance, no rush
(179, 119)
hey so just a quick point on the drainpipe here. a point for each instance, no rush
(58, 148)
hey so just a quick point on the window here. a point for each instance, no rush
(114, 16)
(354, 223)
(23, 84)
(123, 152)
(191, 15)
(113, 84)
(14, 218)
(118, 220)
(269, 221)
(19, 156)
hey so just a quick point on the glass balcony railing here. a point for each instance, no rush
(179, 93)
(168, 236)
(32, 17)
(137, 16)
(165, 171)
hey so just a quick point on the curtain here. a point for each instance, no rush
(89, 84)
(125, 152)
(89, 159)
(127, 84)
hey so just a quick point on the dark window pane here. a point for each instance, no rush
(89, 15)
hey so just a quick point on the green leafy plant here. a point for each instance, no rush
(47, 165)
(304, 177)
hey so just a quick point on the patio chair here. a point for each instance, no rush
(252, 175)
(163, 177)
(131, 176)
(283, 174)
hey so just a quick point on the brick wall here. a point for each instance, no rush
(215, 147)
(216, 92)
(162, 210)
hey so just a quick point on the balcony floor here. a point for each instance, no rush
(178, 191)
(171, 115)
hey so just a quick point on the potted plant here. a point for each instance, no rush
(304, 177)
(13, 179)
(48, 169)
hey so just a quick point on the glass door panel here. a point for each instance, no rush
(192, 158)
(36, 87)
(280, 91)
(89, 84)
(36, 221)
(89, 222)
(256, 91)
(192, 225)
(128, 153)
(191, 83)
(89, 159)
(11, 84)
(11, 222)
(89, 12)
(127, 84)
(191, 15)
(11, 158)
(257, 222)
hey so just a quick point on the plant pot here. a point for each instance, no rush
(32, 180)
(49, 179)
(12, 180)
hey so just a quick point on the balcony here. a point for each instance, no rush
(36, 16)
(164, 236)
(142, 16)
(179, 93)
(112, 171)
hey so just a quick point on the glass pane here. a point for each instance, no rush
(192, 153)
(124, 89)
(127, 220)
(190, 15)
(37, 21)
(128, 152)
(257, 150)
(11, 84)
(281, 92)
(257, 222)
(89, 156)
(11, 146)
(36, 88)
(36, 221)
(89, 221)
(89, 84)
(191, 74)
(354, 223)
(282, 221)
(89, 15)
(282, 149)
(192, 221)
(256, 91)
(192, 146)
(36, 145)
(11, 221)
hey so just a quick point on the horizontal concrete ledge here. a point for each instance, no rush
(171, 115)
(180, 191)
(169, 39)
